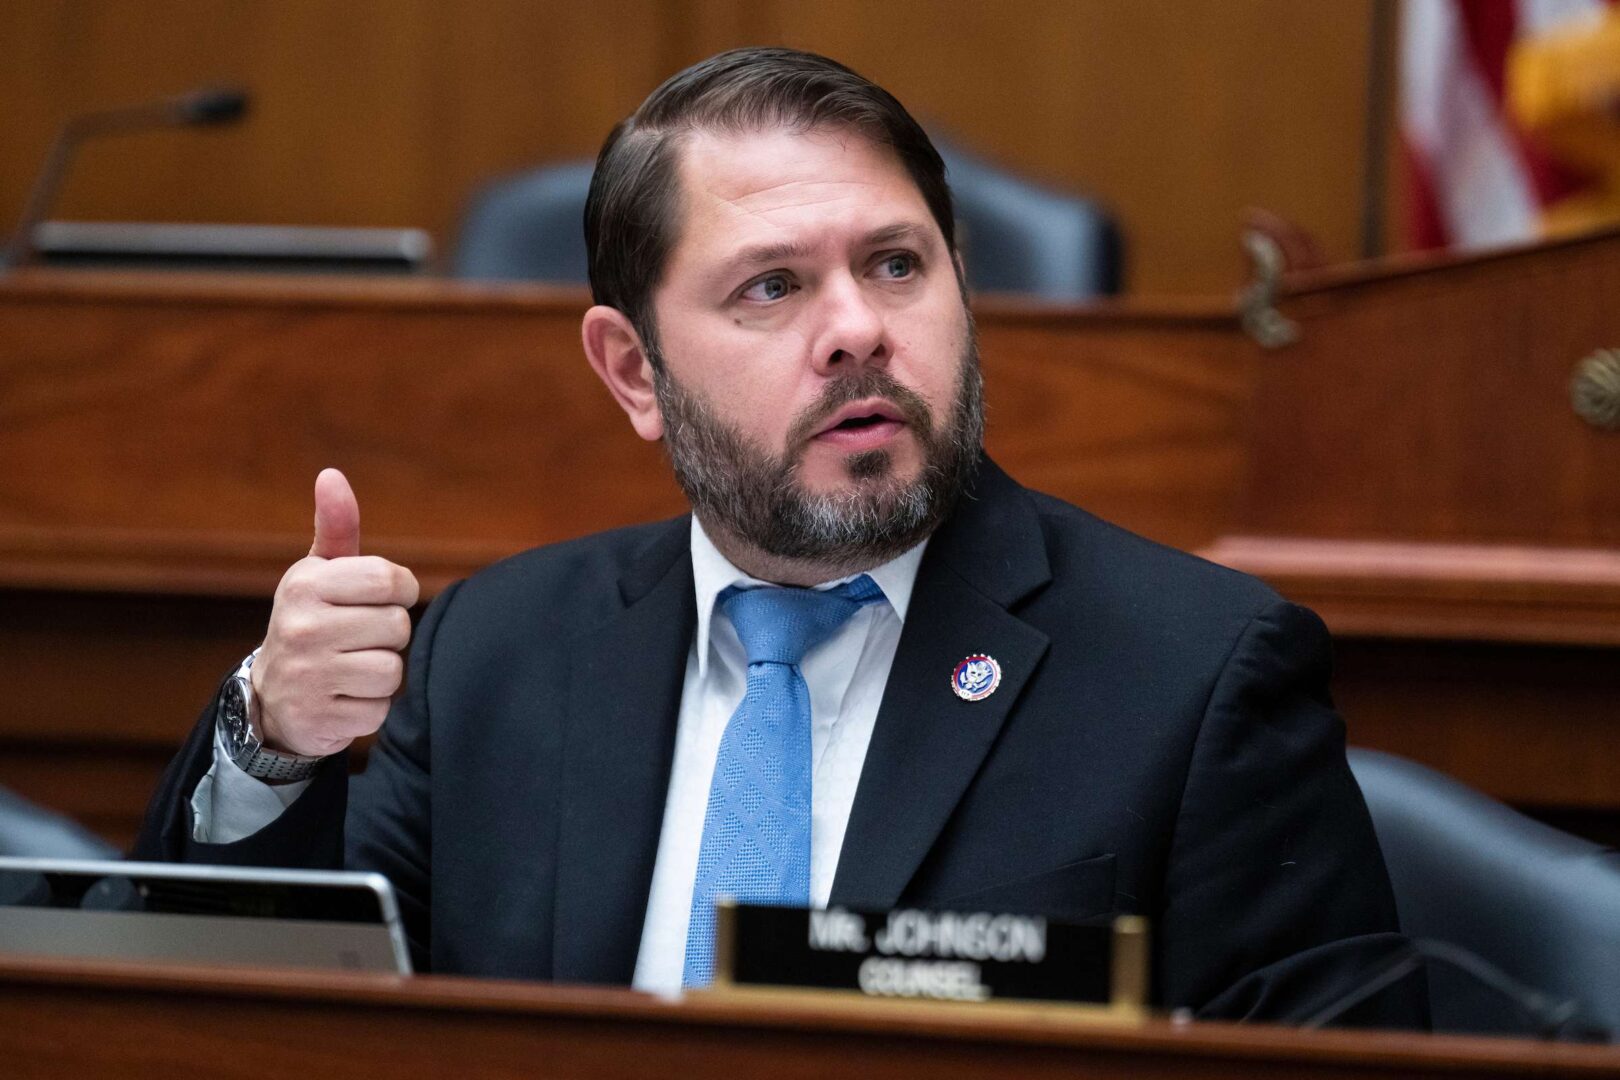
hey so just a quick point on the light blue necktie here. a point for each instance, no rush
(756, 832)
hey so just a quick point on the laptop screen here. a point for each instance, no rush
(214, 915)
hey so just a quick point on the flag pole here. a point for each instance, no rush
(1375, 152)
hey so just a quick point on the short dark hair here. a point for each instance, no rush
(630, 214)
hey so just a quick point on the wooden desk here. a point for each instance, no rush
(1419, 476)
(162, 431)
(1409, 466)
(161, 434)
(95, 1022)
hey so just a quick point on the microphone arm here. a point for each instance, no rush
(209, 106)
(1552, 1017)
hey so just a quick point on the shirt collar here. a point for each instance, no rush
(713, 573)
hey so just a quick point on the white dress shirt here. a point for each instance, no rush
(229, 805)
(845, 675)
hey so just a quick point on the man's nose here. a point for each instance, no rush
(854, 333)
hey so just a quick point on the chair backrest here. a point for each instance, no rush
(1540, 905)
(1015, 237)
(32, 831)
(528, 227)
(1018, 237)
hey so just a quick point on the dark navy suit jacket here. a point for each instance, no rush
(1161, 743)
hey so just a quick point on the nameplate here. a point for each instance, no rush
(933, 955)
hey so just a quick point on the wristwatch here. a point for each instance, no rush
(240, 735)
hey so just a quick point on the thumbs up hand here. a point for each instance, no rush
(331, 662)
(337, 517)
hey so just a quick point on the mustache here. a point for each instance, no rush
(867, 383)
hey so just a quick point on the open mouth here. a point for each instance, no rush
(858, 423)
(862, 425)
(864, 416)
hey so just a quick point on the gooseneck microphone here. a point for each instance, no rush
(205, 106)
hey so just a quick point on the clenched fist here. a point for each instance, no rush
(331, 661)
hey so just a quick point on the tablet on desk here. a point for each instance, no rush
(218, 915)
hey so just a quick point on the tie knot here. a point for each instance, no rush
(780, 625)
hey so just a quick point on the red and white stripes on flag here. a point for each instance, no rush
(1472, 179)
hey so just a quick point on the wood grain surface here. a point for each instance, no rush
(162, 433)
(155, 1023)
(1178, 114)
(1432, 403)
(1533, 725)
(179, 421)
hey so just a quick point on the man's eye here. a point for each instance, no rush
(898, 265)
(766, 289)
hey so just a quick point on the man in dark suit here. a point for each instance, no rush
(1017, 707)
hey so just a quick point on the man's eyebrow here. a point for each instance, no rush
(769, 253)
(908, 231)
(784, 251)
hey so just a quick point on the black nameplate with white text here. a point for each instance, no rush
(926, 955)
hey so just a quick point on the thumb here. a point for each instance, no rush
(337, 517)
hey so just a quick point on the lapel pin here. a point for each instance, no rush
(976, 678)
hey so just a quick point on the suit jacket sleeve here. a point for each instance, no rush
(1277, 902)
(307, 835)
(384, 827)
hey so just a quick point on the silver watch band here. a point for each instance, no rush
(237, 727)
(265, 764)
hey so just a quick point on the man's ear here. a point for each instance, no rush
(620, 360)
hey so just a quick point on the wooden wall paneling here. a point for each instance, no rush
(1415, 590)
(165, 450)
(162, 435)
(515, 83)
(1577, 316)
(124, 670)
(700, 28)
(462, 420)
(1420, 478)
(1139, 421)
(1507, 718)
(99, 690)
(62, 58)
(1177, 114)
(171, 411)
(472, 428)
(389, 112)
(1452, 423)
(372, 112)
(343, 96)
(1342, 434)
(162, 432)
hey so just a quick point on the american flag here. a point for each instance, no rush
(1473, 178)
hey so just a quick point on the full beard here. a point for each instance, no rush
(760, 498)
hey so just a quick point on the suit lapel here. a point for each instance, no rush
(624, 701)
(928, 744)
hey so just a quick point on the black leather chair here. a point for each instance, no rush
(1018, 237)
(1014, 236)
(527, 227)
(1475, 880)
(35, 832)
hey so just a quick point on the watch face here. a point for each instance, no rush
(233, 707)
(244, 747)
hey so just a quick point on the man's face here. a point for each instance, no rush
(820, 388)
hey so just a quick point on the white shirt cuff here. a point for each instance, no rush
(230, 805)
